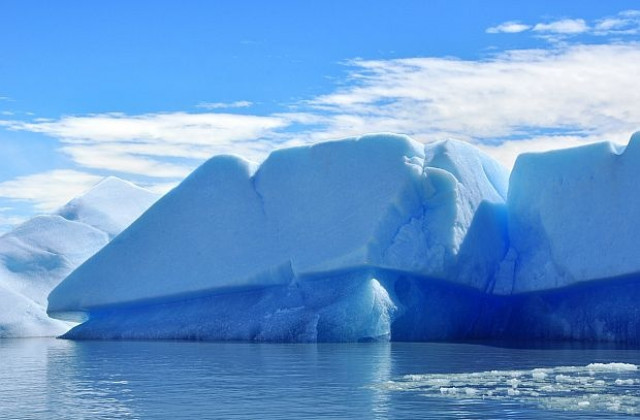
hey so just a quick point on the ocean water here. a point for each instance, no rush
(59, 379)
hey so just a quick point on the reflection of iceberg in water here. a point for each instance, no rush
(58, 379)
(89, 383)
(24, 363)
(381, 371)
(612, 387)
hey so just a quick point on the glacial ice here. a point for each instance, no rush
(375, 238)
(110, 206)
(358, 205)
(573, 216)
(36, 255)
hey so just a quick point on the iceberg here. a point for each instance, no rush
(110, 206)
(307, 245)
(36, 255)
(375, 238)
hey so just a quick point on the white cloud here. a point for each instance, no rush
(621, 24)
(510, 27)
(48, 190)
(161, 188)
(7, 220)
(508, 151)
(142, 144)
(624, 23)
(579, 93)
(223, 105)
(610, 24)
(202, 128)
(564, 26)
(120, 158)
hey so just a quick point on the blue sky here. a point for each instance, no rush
(148, 90)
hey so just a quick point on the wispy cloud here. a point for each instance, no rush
(624, 23)
(582, 92)
(8, 220)
(511, 27)
(621, 24)
(224, 105)
(143, 144)
(564, 26)
(48, 190)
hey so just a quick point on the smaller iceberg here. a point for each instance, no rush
(36, 255)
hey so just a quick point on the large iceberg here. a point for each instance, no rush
(304, 247)
(39, 253)
(370, 238)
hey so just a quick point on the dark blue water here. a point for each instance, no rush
(57, 379)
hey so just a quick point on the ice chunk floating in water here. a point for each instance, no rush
(374, 237)
(609, 387)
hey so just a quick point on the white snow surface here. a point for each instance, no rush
(374, 202)
(110, 206)
(38, 254)
(573, 217)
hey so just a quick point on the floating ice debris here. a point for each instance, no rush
(608, 387)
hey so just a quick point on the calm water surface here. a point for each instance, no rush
(57, 379)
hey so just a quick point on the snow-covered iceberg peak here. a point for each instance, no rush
(344, 210)
(110, 206)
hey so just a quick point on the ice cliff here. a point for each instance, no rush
(377, 237)
(38, 254)
(573, 216)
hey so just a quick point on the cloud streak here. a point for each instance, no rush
(581, 92)
(224, 105)
(141, 144)
(511, 27)
(564, 26)
(48, 190)
(622, 24)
